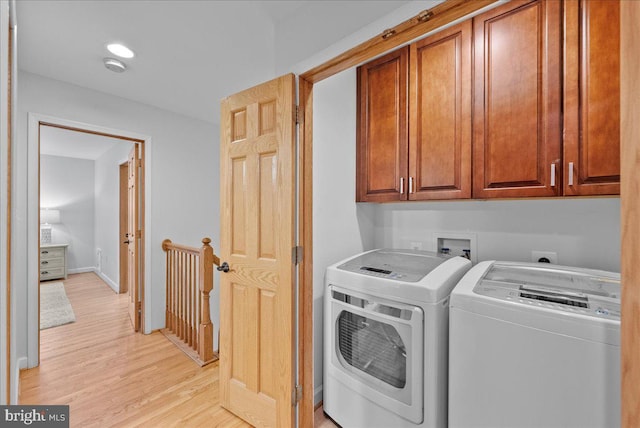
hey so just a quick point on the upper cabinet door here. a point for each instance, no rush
(382, 129)
(517, 117)
(440, 115)
(592, 97)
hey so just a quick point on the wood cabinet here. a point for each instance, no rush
(592, 97)
(424, 153)
(382, 128)
(440, 115)
(517, 101)
(543, 121)
(53, 261)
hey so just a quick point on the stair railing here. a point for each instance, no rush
(189, 281)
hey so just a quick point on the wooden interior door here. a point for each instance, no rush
(517, 100)
(257, 316)
(133, 238)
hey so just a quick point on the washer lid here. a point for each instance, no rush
(585, 291)
(399, 265)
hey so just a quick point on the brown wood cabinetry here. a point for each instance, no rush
(517, 101)
(592, 97)
(523, 134)
(432, 160)
(382, 128)
(440, 115)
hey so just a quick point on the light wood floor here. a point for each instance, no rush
(111, 376)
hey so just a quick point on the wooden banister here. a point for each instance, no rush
(189, 281)
(205, 336)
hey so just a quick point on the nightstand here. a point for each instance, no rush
(53, 261)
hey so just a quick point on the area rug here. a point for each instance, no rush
(55, 308)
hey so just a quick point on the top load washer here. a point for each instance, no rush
(534, 345)
(386, 332)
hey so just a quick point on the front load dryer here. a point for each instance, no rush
(386, 332)
(534, 345)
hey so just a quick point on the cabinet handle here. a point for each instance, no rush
(44, 252)
(553, 175)
(410, 184)
(402, 185)
(570, 173)
(44, 263)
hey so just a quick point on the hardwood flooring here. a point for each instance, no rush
(111, 376)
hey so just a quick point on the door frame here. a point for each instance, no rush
(33, 219)
(448, 13)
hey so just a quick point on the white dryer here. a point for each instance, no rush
(534, 345)
(386, 332)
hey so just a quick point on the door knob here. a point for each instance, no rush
(224, 267)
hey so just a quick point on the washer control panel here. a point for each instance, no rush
(569, 291)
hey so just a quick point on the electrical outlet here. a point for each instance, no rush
(536, 256)
(416, 245)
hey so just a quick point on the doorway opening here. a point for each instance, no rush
(102, 253)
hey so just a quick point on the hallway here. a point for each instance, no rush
(111, 376)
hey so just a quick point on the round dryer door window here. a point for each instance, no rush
(373, 347)
(377, 345)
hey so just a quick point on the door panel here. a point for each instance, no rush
(517, 129)
(257, 237)
(382, 128)
(592, 97)
(440, 106)
(133, 239)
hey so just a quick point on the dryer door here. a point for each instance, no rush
(378, 346)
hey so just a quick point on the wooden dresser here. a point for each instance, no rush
(53, 261)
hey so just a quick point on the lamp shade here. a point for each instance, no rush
(49, 216)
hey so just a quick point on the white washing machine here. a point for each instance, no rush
(385, 338)
(534, 345)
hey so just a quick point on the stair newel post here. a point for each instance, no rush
(205, 330)
(169, 286)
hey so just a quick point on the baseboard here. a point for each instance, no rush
(109, 281)
(81, 270)
(317, 396)
(20, 364)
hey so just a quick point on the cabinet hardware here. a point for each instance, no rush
(553, 175)
(388, 33)
(424, 16)
(570, 173)
(402, 185)
(410, 184)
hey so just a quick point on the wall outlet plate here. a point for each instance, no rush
(416, 245)
(550, 255)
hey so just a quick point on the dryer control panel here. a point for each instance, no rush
(581, 291)
(399, 265)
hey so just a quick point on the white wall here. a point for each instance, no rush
(183, 163)
(107, 212)
(582, 231)
(341, 227)
(66, 184)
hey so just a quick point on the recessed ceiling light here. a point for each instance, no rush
(115, 65)
(120, 50)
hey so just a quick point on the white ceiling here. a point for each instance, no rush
(75, 144)
(189, 54)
